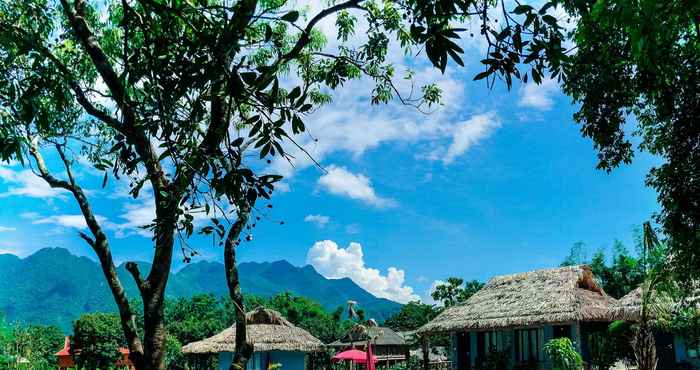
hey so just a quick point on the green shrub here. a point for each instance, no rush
(563, 354)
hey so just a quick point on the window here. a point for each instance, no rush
(693, 350)
(528, 345)
(562, 331)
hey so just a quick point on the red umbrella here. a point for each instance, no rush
(356, 356)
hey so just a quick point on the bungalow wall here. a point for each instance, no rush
(687, 353)
(469, 348)
(522, 345)
(262, 360)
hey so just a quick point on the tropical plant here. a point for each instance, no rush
(604, 349)
(655, 301)
(562, 354)
(455, 291)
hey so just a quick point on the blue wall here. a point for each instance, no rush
(288, 360)
(505, 339)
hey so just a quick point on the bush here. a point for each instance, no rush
(98, 336)
(563, 354)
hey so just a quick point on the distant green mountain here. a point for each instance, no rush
(53, 286)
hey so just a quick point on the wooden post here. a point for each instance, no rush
(426, 357)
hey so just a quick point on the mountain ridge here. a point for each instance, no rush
(53, 286)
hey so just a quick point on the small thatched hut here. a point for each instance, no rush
(672, 351)
(275, 341)
(389, 347)
(516, 314)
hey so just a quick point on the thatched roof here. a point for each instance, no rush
(629, 307)
(383, 336)
(267, 330)
(532, 298)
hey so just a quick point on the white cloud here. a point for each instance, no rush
(540, 96)
(318, 220)
(4, 229)
(355, 126)
(470, 133)
(428, 299)
(340, 181)
(142, 212)
(71, 221)
(334, 263)
(26, 183)
(134, 216)
(29, 215)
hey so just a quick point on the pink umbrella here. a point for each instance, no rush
(356, 356)
(370, 364)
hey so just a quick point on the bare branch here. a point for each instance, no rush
(133, 268)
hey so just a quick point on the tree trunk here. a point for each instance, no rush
(243, 349)
(154, 335)
(425, 341)
(644, 346)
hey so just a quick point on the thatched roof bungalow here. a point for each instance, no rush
(516, 314)
(389, 347)
(275, 340)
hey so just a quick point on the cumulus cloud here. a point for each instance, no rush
(340, 181)
(26, 183)
(69, 221)
(355, 126)
(470, 133)
(540, 96)
(334, 262)
(4, 229)
(318, 220)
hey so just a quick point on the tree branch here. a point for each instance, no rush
(99, 244)
(306, 35)
(133, 268)
(243, 349)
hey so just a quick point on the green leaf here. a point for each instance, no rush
(522, 9)
(294, 93)
(482, 75)
(268, 32)
(291, 16)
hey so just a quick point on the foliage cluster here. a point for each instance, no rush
(29, 347)
(562, 354)
(455, 291)
(621, 271)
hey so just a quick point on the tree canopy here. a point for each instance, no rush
(637, 63)
(455, 291)
(179, 97)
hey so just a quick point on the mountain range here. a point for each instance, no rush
(53, 286)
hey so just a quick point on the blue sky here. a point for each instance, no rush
(492, 182)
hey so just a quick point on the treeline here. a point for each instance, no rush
(617, 269)
(99, 334)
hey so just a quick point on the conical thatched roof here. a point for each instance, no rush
(266, 329)
(544, 296)
(382, 336)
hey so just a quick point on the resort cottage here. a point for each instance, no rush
(275, 341)
(673, 352)
(514, 315)
(388, 346)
